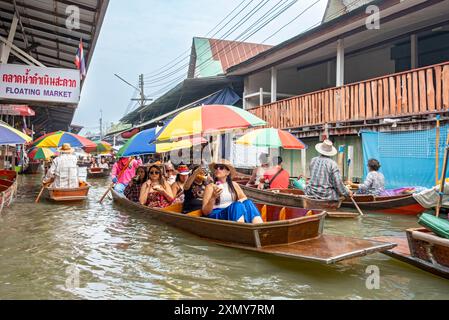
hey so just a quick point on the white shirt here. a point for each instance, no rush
(64, 170)
(225, 197)
(103, 165)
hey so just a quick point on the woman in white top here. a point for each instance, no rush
(225, 200)
(259, 171)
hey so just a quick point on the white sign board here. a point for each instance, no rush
(30, 83)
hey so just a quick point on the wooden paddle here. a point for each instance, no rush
(442, 183)
(118, 177)
(44, 185)
(357, 206)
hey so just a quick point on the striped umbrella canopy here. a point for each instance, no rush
(271, 138)
(58, 138)
(42, 153)
(101, 147)
(145, 143)
(9, 135)
(208, 119)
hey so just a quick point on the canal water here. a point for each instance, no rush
(93, 251)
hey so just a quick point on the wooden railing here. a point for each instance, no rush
(414, 92)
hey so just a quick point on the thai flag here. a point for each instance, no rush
(79, 60)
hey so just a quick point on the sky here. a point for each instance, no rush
(141, 36)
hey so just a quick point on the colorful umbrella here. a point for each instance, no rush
(9, 135)
(101, 147)
(271, 138)
(38, 153)
(145, 143)
(57, 139)
(208, 119)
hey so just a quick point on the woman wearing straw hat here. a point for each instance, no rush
(225, 200)
(64, 169)
(177, 187)
(325, 178)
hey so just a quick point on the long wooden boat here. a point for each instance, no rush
(8, 188)
(401, 204)
(75, 194)
(423, 249)
(98, 172)
(289, 232)
(287, 197)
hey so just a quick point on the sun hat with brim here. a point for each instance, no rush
(225, 163)
(66, 148)
(326, 148)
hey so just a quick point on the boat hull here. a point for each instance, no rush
(405, 205)
(8, 188)
(98, 172)
(295, 237)
(63, 195)
(422, 249)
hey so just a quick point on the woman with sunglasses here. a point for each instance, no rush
(156, 192)
(177, 188)
(132, 190)
(170, 173)
(225, 199)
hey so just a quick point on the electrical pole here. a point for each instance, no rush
(101, 124)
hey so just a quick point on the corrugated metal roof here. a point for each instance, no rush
(211, 57)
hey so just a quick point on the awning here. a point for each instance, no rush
(16, 110)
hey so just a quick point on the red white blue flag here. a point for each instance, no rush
(79, 60)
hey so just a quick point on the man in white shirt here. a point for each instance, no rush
(64, 169)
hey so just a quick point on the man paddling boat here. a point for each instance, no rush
(64, 169)
(325, 178)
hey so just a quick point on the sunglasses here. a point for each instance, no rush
(155, 172)
(220, 167)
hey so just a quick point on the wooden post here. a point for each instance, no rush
(2, 157)
(261, 97)
(303, 162)
(437, 145)
(350, 163)
(341, 160)
(442, 183)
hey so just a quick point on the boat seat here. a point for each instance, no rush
(282, 214)
(176, 207)
(263, 212)
(197, 213)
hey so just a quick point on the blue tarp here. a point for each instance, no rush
(226, 96)
(406, 158)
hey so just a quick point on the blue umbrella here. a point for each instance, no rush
(141, 143)
(9, 135)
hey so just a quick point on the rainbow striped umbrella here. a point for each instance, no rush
(208, 119)
(41, 153)
(101, 147)
(9, 135)
(271, 138)
(57, 139)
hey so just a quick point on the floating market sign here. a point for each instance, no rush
(30, 83)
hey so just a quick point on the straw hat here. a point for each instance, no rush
(326, 148)
(66, 148)
(225, 163)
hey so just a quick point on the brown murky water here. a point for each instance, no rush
(93, 251)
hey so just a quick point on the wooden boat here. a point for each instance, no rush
(98, 172)
(401, 204)
(76, 194)
(289, 232)
(8, 188)
(423, 249)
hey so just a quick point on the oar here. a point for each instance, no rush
(357, 206)
(40, 194)
(442, 183)
(107, 191)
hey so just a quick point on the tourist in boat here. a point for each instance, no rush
(93, 163)
(177, 188)
(225, 200)
(325, 178)
(103, 164)
(122, 172)
(63, 172)
(194, 189)
(132, 190)
(259, 171)
(374, 183)
(275, 177)
(170, 173)
(156, 192)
